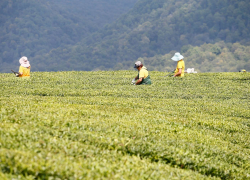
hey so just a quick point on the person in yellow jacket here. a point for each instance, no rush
(179, 71)
(143, 75)
(24, 69)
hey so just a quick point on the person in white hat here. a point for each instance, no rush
(143, 75)
(24, 69)
(179, 71)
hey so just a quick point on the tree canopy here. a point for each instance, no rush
(34, 28)
(152, 28)
(218, 57)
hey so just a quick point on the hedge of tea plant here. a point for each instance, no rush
(96, 125)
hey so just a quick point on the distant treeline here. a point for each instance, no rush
(218, 57)
(156, 27)
(151, 29)
(34, 28)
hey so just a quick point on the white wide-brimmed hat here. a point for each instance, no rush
(177, 57)
(24, 61)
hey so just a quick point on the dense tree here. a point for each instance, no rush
(33, 28)
(158, 27)
(150, 30)
(218, 57)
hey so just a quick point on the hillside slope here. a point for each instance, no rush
(218, 57)
(156, 27)
(33, 28)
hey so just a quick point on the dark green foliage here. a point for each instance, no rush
(33, 28)
(62, 41)
(154, 28)
(218, 57)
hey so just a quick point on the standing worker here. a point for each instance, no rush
(24, 69)
(143, 76)
(179, 71)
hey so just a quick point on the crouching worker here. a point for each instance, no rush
(24, 69)
(179, 71)
(143, 76)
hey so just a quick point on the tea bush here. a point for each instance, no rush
(96, 125)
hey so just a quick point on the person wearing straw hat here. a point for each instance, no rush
(24, 69)
(143, 75)
(179, 71)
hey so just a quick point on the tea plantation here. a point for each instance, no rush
(96, 125)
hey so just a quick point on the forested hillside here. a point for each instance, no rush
(156, 27)
(33, 28)
(218, 57)
(64, 38)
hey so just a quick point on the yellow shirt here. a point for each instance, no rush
(25, 71)
(143, 73)
(180, 65)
